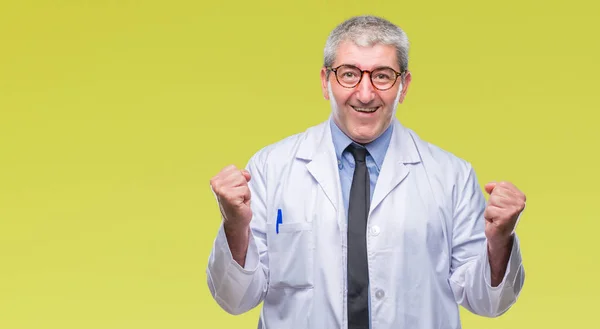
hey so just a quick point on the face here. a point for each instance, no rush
(363, 112)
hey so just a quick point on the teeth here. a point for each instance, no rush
(366, 109)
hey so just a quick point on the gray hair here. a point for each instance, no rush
(367, 31)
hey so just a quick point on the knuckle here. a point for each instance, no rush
(218, 191)
(225, 170)
(230, 168)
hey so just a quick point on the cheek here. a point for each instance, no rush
(394, 101)
(335, 98)
(392, 98)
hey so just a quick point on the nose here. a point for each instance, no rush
(365, 92)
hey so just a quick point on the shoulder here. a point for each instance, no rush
(451, 177)
(285, 150)
(440, 162)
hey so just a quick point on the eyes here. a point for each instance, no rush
(381, 76)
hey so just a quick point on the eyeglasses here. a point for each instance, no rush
(349, 76)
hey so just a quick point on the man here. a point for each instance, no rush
(357, 222)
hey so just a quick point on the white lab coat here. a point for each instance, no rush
(426, 245)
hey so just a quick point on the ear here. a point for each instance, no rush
(407, 79)
(324, 83)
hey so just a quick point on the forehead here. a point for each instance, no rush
(366, 58)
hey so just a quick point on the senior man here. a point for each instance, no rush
(357, 222)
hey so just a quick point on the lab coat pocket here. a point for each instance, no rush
(291, 256)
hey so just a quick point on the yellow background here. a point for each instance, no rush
(114, 115)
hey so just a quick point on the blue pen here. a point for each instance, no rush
(279, 220)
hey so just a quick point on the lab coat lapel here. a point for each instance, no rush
(318, 149)
(400, 152)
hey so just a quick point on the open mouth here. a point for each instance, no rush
(366, 109)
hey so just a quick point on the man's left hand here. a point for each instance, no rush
(505, 205)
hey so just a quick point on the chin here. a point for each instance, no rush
(364, 136)
(368, 133)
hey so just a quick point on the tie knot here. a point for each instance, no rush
(359, 153)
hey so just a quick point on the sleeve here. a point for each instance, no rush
(470, 269)
(236, 289)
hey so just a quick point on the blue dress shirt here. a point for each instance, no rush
(376, 149)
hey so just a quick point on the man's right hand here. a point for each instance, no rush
(230, 186)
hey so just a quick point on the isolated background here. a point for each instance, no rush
(114, 115)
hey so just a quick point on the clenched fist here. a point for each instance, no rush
(231, 189)
(504, 207)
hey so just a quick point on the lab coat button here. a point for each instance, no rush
(375, 230)
(380, 294)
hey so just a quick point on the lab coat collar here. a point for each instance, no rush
(318, 139)
(401, 152)
(317, 148)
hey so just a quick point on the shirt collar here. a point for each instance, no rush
(376, 148)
